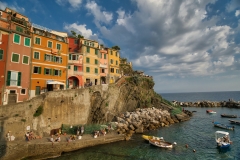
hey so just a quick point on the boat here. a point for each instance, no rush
(228, 115)
(217, 124)
(223, 139)
(146, 137)
(210, 111)
(234, 121)
(159, 143)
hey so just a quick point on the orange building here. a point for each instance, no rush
(49, 60)
(104, 76)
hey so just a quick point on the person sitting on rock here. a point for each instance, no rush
(58, 139)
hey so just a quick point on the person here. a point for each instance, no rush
(27, 136)
(58, 139)
(91, 83)
(82, 130)
(8, 136)
(51, 139)
(78, 131)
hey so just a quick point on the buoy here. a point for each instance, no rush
(194, 150)
(186, 145)
(174, 143)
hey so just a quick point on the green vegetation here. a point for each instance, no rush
(106, 104)
(38, 111)
(16, 115)
(23, 120)
(116, 48)
(176, 110)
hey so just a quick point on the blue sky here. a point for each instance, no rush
(186, 45)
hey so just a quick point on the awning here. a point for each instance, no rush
(56, 82)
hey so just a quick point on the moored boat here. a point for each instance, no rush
(228, 115)
(210, 111)
(161, 144)
(217, 124)
(234, 121)
(223, 139)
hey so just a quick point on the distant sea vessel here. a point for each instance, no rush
(161, 144)
(228, 115)
(210, 111)
(146, 137)
(234, 121)
(217, 124)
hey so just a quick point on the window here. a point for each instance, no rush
(25, 59)
(57, 59)
(58, 46)
(96, 61)
(74, 57)
(116, 62)
(75, 41)
(14, 78)
(117, 70)
(69, 67)
(19, 29)
(23, 91)
(75, 68)
(96, 52)
(88, 49)
(105, 56)
(49, 44)
(96, 70)
(27, 42)
(15, 57)
(116, 54)
(56, 72)
(37, 70)
(1, 54)
(47, 57)
(16, 38)
(111, 61)
(70, 57)
(111, 53)
(112, 70)
(88, 69)
(103, 70)
(88, 60)
(36, 55)
(37, 40)
(47, 71)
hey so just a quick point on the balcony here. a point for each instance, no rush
(75, 73)
(77, 62)
(20, 21)
(103, 66)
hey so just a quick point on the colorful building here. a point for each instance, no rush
(103, 66)
(49, 60)
(4, 35)
(90, 51)
(75, 64)
(18, 55)
(113, 61)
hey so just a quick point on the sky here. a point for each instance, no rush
(186, 45)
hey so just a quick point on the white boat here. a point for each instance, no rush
(160, 143)
(223, 139)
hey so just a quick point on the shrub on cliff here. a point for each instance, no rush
(38, 111)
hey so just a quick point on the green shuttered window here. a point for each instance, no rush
(88, 69)
(88, 60)
(27, 42)
(15, 57)
(96, 70)
(1, 54)
(25, 59)
(88, 49)
(16, 38)
(37, 40)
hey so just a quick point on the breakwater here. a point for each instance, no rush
(228, 104)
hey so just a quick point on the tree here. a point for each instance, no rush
(74, 33)
(116, 47)
(80, 36)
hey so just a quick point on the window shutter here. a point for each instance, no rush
(19, 78)
(50, 71)
(61, 60)
(8, 78)
(44, 70)
(53, 72)
(70, 57)
(54, 59)
(60, 73)
(45, 57)
(39, 70)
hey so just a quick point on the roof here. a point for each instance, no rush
(222, 132)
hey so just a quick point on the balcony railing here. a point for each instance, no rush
(103, 66)
(20, 21)
(75, 73)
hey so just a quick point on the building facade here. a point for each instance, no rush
(17, 71)
(75, 64)
(103, 66)
(113, 61)
(90, 51)
(49, 60)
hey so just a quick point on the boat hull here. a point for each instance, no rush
(160, 144)
(219, 125)
(228, 116)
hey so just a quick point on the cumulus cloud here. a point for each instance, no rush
(99, 14)
(171, 37)
(74, 3)
(14, 6)
(237, 13)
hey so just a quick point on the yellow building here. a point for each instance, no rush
(90, 51)
(113, 61)
(49, 60)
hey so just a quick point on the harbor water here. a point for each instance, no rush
(198, 133)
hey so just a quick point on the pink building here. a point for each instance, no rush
(75, 64)
(103, 66)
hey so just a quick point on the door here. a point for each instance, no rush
(12, 97)
(38, 90)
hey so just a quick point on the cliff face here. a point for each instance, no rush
(96, 104)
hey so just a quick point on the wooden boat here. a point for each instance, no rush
(161, 144)
(146, 137)
(234, 121)
(223, 139)
(217, 124)
(228, 115)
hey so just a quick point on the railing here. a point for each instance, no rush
(75, 73)
(74, 61)
(103, 66)
(20, 21)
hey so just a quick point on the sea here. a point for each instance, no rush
(198, 133)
